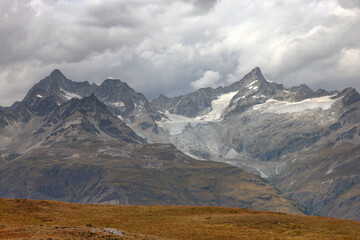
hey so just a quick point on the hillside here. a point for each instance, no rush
(34, 219)
(111, 172)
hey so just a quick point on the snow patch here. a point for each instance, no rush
(327, 181)
(76, 121)
(332, 167)
(153, 165)
(218, 107)
(120, 117)
(275, 106)
(254, 87)
(263, 175)
(231, 154)
(116, 104)
(69, 95)
(251, 84)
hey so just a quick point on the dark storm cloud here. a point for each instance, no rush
(13, 31)
(109, 15)
(202, 6)
(350, 3)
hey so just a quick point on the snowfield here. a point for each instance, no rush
(218, 107)
(280, 107)
(175, 124)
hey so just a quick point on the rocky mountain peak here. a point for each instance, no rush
(321, 93)
(253, 80)
(160, 102)
(56, 80)
(254, 76)
(350, 96)
(112, 89)
(114, 83)
(162, 97)
(49, 84)
(256, 73)
(56, 73)
(302, 87)
(62, 88)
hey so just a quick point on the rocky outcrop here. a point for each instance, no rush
(7, 117)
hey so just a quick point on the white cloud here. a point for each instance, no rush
(209, 79)
(162, 46)
(350, 60)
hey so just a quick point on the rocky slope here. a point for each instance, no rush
(135, 174)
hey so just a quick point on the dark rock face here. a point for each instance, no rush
(161, 102)
(303, 92)
(351, 97)
(190, 105)
(88, 116)
(40, 121)
(120, 99)
(322, 93)
(7, 117)
(115, 91)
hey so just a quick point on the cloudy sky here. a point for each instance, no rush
(176, 46)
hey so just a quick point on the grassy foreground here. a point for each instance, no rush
(35, 219)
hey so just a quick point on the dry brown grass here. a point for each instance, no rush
(32, 219)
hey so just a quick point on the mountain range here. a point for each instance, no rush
(271, 148)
